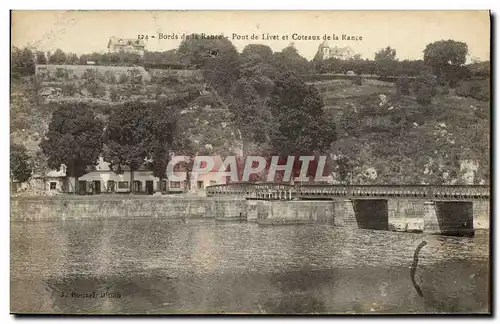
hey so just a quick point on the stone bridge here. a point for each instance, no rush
(443, 209)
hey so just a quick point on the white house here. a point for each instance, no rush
(129, 45)
(101, 179)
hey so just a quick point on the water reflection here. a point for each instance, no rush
(207, 267)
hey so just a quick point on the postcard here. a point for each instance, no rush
(250, 162)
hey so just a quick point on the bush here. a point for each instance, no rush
(424, 96)
(123, 78)
(135, 76)
(403, 86)
(113, 95)
(90, 75)
(109, 77)
(357, 80)
(69, 89)
(479, 90)
(425, 88)
(62, 74)
(101, 77)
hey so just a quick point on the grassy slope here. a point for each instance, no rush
(450, 128)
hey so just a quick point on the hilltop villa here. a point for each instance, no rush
(128, 45)
(325, 52)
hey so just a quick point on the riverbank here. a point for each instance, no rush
(394, 214)
(76, 207)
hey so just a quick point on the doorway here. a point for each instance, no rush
(97, 187)
(137, 186)
(149, 187)
(82, 187)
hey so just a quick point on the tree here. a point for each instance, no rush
(251, 115)
(385, 62)
(162, 127)
(22, 62)
(72, 59)
(300, 126)
(20, 163)
(257, 53)
(127, 138)
(387, 53)
(442, 56)
(83, 59)
(41, 58)
(290, 59)
(218, 59)
(58, 57)
(74, 138)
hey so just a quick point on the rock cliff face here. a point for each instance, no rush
(384, 137)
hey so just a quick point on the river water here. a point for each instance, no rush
(204, 266)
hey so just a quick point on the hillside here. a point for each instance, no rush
(383, 137)
(33, 99)
(389, 138)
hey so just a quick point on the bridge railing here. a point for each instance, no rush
(461, 192)
(281, 191)
(268, 191)
(232, 189)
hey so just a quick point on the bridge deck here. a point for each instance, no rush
(280, 191)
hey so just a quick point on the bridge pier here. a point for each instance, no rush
(344, 215)
(253, 209)
(277, 212)
(481, 214)
(431, 224)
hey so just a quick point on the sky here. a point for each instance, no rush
(406, 31)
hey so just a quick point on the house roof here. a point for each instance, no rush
(57, 174)
(52, 173)
(117, 41)
(104, 166)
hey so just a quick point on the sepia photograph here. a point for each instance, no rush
(250, 162)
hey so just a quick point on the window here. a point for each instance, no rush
(53, 185)
(200, 184)
(175, 184)
(123, 185)
(163, 186)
